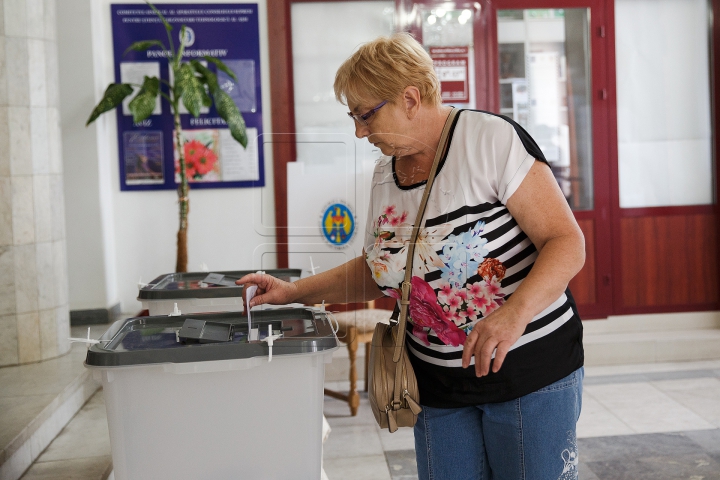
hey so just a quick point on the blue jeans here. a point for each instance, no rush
(529, 438)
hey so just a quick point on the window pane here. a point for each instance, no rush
(663, 95)
(447, 27)
(332, 164)
(545, 86)
(315, 61)
(447, 34)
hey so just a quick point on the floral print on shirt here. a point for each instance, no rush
(459, 303)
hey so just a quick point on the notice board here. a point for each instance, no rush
(451, 66)
(147, 150)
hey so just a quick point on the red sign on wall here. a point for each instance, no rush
(451, 66)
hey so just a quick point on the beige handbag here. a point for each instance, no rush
(393, 389)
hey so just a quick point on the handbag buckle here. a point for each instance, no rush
(406, 288)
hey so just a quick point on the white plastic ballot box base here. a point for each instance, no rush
(229, 419)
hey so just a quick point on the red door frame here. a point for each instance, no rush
(283, 115)
(487, 93)
(618, 213)
(603, 74)
(607, 213)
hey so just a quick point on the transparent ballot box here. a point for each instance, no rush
(197, 292)
(216, 395)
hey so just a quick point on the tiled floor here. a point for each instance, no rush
(655, 421)
(36, 401)
(81, 451)
(658, 421)
(27, 390)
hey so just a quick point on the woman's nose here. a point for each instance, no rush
(361, 131)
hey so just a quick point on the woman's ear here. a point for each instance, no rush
(412, 101)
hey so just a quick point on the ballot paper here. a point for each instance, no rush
(220, 279)
(249, 294)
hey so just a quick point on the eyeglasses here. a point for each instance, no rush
(363, 119)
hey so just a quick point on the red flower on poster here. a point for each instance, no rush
(199, 160)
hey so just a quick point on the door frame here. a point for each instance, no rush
(607, 213)
(603, 116)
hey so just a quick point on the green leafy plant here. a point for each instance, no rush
(195, 86)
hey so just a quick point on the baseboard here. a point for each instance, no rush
(94, 316)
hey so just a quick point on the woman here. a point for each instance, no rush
(499, 355)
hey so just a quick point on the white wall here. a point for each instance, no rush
(87, 272)
(132, 235)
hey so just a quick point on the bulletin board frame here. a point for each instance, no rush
(147, 152)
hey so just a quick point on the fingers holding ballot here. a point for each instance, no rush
(260, 288)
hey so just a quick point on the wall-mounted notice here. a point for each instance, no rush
(451, 66)
(148, 153)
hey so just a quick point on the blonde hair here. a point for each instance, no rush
(383, 68)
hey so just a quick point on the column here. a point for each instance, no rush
(34, 322)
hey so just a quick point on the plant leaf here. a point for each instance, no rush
(114, 94)
(143, 104)
(143, 45)
(229, 112)
(225, 106)
(190, 88)
(206, 100)
(177, 87)
(181, 49)
(168, 27)
(219, 63)
(206, 76)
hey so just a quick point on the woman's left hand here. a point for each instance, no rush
(542, 212)
(495, 333)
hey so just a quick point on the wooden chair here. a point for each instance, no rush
(357, 326)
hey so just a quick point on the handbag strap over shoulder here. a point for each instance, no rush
(407, 285)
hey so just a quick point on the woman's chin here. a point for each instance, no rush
(384, 149)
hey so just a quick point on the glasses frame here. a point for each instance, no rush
(363, 119)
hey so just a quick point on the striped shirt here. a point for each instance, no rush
(471, 255)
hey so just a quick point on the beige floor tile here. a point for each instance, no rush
(93, 468)
(48, 377)
(337, 413)
(597, 421)
(357, 468)
(701, 395)
(352, 441)
(340, 385)
(608, 353)
(602, 370)
(17, 412)
(85, 436)
(645, 409)
(402, 439)
(704, 348)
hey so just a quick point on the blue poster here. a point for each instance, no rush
(148, 152)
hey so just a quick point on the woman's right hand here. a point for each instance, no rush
(270, 290)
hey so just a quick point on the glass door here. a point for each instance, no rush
(551, 81)
(446, 32)
(542, 67)
(544, 81)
